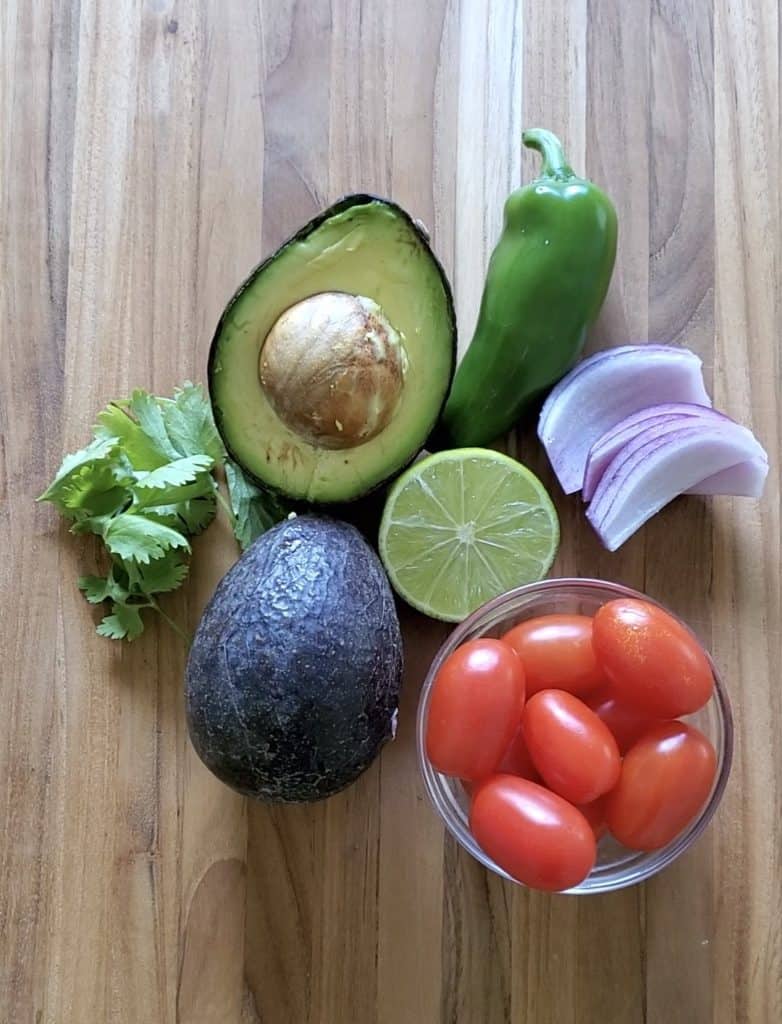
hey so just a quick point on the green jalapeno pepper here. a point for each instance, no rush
(547, 279)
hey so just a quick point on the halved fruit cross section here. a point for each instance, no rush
(331, 363)
(463, 526)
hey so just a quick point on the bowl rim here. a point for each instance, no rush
(484, 616)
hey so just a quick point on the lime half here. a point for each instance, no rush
(463, 526)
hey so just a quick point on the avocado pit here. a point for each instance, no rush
(333, 368)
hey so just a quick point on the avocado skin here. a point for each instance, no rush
(293, 678)
(346, 202)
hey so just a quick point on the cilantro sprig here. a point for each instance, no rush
(146, 484)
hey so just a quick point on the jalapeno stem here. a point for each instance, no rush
(550, 148)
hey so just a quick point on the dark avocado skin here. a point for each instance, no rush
(293, 678)
(345, 203)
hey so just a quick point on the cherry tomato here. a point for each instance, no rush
(569, 745)
(474, 710)
(652, 662)
(517, 761)
(535, 835)
(595, 814)
(664, 782)
(626, 724)
(557, 653)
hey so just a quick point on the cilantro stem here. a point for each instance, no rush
(167, 618)
(225, 506)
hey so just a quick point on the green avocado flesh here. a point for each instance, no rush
(366, 247)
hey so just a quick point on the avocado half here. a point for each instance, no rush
(344, 414)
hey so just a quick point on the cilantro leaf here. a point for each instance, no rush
(97, 455)
(197, 514)
(147, 411)
(189, 423)
(92, 524)
(255, 509)
(144, 484)
(124, 623)
(139, 538)
(166, 515)
(97, 488)
(140, 449)
(102, 588)
(203, 486)
(189, 517)
(175, 473)
(162, 574)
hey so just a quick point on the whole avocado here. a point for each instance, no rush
(293, 678)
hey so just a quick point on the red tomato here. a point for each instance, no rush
(595, 814)
(626, 724)
(665, 780)
(569, 745)
(557, 653)
(474, 710)
(517, 760)
(652, 662)
(535, 835)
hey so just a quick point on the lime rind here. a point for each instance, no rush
(462, 526)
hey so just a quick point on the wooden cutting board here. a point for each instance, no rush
(151, 153)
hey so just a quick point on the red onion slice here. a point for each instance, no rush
(604, 390)
(744, 480)
(658, 465)
(610, 444)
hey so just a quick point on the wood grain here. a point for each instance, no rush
(151, 152)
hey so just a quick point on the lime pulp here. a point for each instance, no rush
(463, 526)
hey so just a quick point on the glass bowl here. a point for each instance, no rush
(616, 866)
